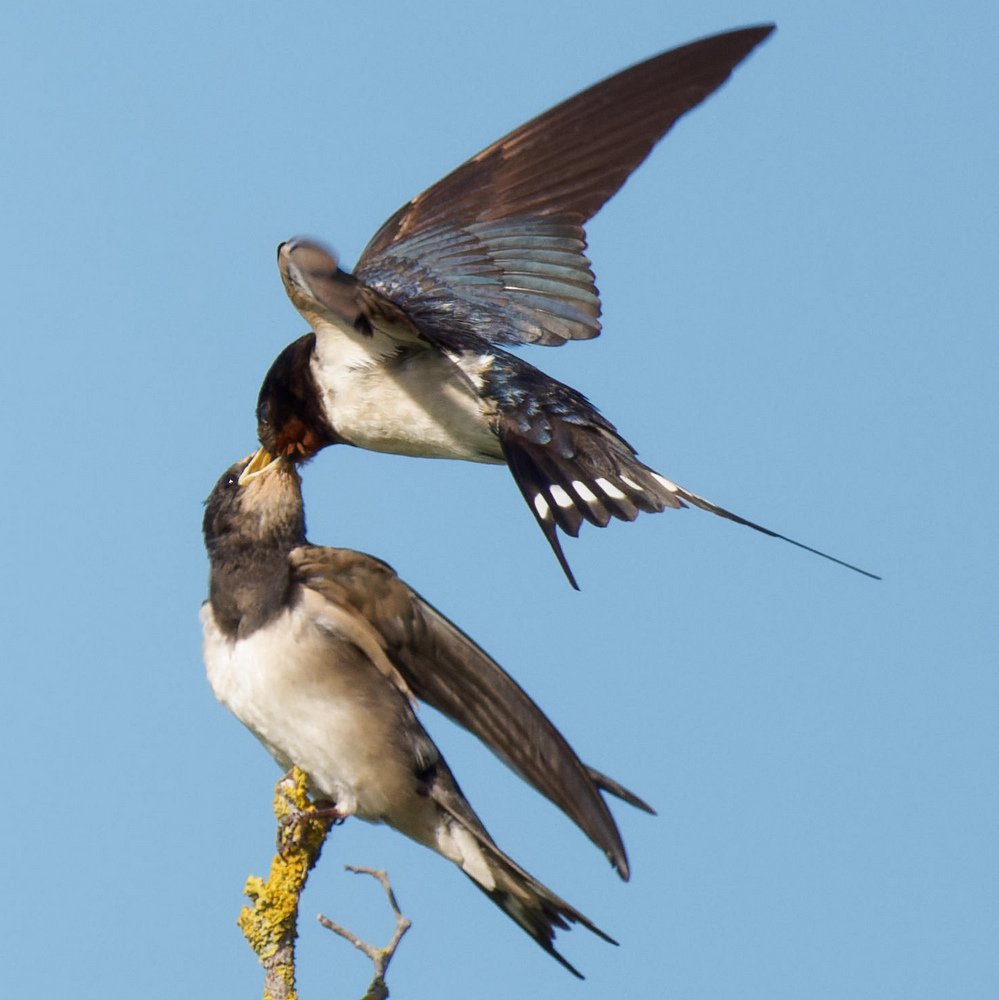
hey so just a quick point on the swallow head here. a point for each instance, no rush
(316, 285)
(257, 501)
(290, 416)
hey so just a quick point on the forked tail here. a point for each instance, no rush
(588, 473)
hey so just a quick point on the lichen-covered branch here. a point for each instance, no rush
(380, 957)
(270, 923)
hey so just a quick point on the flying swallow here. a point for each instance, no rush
(404, 354)
(322, 653)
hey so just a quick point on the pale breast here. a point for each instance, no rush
(316, 700)
(423, 403)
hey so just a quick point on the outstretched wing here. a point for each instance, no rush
(496, 247)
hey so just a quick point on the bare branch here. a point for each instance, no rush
(380, 957)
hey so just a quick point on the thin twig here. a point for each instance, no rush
(380, 957)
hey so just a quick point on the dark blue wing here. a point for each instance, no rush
(517, 280)
(496, 247)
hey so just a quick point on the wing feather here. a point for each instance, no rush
(443, 667)
(540, 184)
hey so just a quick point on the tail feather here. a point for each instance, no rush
(529, 903)
(615, 788)
(540, 916)
(593, 474)
(538, 496)
(696, 501)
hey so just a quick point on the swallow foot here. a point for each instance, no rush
(327, 809)
(302, 823)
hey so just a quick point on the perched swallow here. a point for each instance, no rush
(403, 356)
(322, 652)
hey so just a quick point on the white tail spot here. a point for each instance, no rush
(672, 487)
(460, 845)
(632, 484)
(583, 491)
(541, 506)
(560, 497)
(610, 489)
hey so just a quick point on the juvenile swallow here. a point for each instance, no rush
(322, 653)
(403, 355)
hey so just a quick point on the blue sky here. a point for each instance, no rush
(800, 323)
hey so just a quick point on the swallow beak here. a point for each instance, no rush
(261, 461)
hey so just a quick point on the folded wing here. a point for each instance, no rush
(444, 668)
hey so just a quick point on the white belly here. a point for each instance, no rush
(426, 405)
(315, 702)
